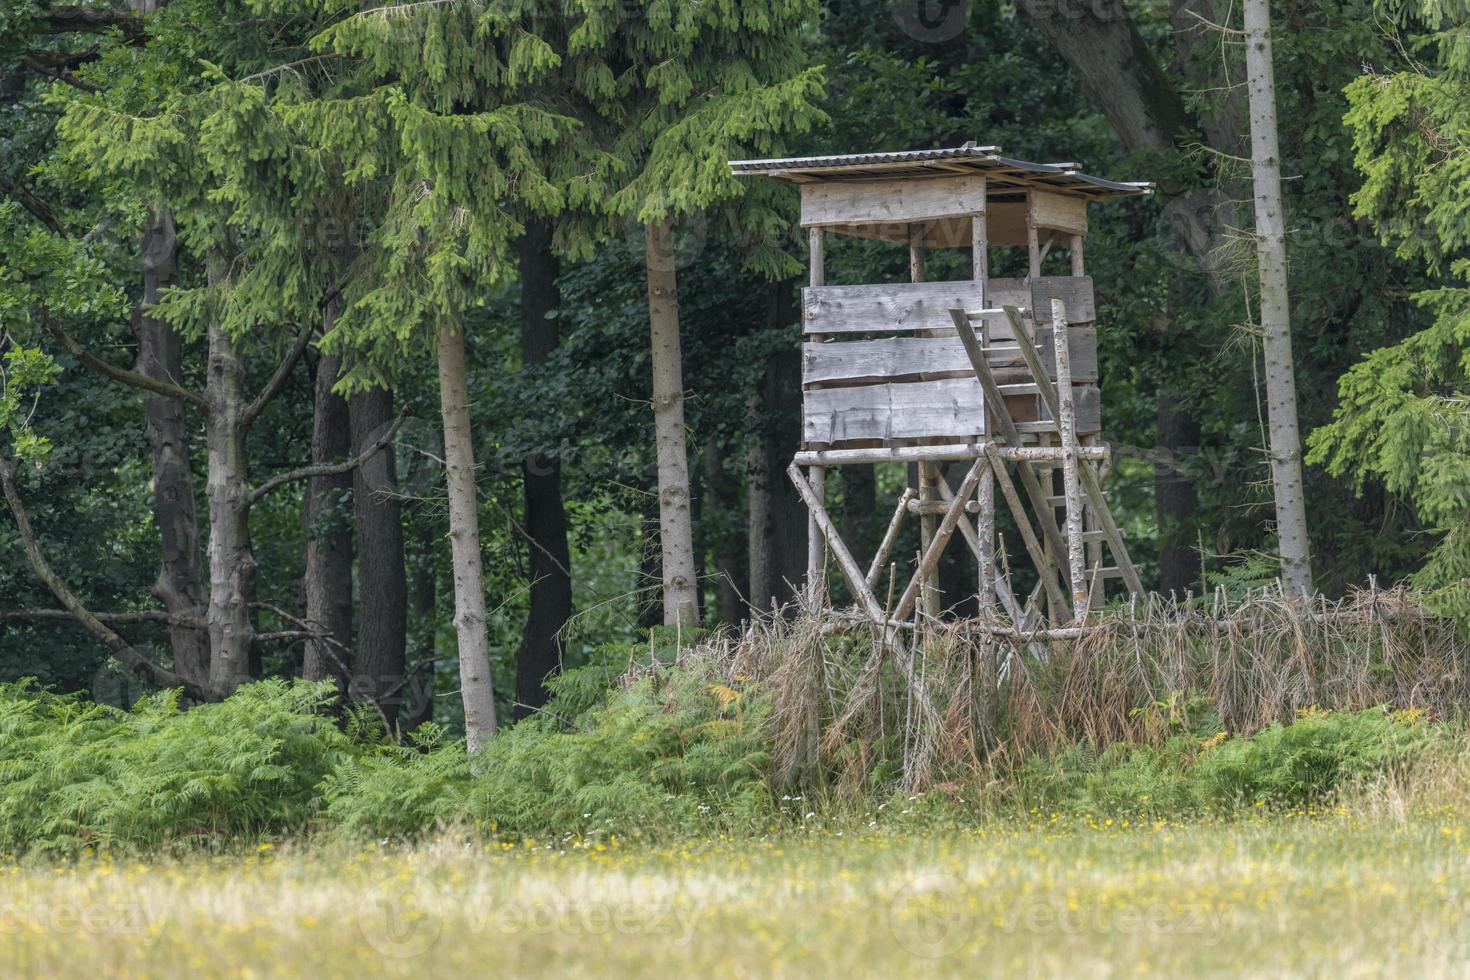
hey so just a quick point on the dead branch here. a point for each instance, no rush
(121, 650)
(331, 469)
(282, 372)
(96, 364)
(119, 619)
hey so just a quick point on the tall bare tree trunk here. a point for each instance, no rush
(231, 557)
(423, 600)
(382, 583)
(1285, 449)
(327, 581)
(539, 656)
(759, 560)
(676, 532)
(722, 498)
(477, 688)
(180, 584)
(1177, 435)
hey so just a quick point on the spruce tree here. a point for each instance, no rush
(695, 86)
(1404, 413)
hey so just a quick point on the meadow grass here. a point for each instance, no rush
(1362, 892)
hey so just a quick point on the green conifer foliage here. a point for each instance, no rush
(1404, 416)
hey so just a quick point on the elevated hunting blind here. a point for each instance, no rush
(999, 373)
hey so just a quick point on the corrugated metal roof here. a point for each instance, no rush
(1063, 178)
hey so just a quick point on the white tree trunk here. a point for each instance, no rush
(476, 685)
(676, 534)
(1285, 448)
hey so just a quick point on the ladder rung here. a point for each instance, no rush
(1110, 571)
(1003, 349)
(1022, 388)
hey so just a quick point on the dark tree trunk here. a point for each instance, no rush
(539, 656)
(423, 601)
(859, 500)
(180, 584)
(1175, 499)
(778, 519)
(788, 514)
(382, 635)
(721, 499)
(328, 575)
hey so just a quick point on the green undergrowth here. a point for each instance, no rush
(655, 751)
(1207, 769)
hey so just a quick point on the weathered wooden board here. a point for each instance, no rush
(906, 306)
(891, 201)
(1081, 346)
(919, 358)
(885, 307)
(1087, 402)
(1075, 291)
(1060, 212)
(889, 359)
(885, 412)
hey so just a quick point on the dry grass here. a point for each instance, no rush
(957, 697)
(1338, 893)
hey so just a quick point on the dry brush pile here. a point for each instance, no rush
(960, 696)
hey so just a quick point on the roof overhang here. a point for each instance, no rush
(1060, 178)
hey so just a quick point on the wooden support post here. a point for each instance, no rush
(1097, 587)
(1075, 251)
(928, 529)
(1033, 246)
(816, 551)
(930, 558)
(1045, 569)
(995, 589)
(985, 547)
(1071, 489)
(927, 469)
(980, 256)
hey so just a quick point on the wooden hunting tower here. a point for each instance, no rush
(997, 372)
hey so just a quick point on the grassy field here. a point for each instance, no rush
(1288, 894)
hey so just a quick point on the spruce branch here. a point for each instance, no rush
(121, 650)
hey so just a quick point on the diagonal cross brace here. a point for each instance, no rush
(995, 403)
(1090, 484)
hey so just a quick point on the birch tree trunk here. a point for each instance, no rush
(476, 686)
(676, 533)
(1285, 439)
